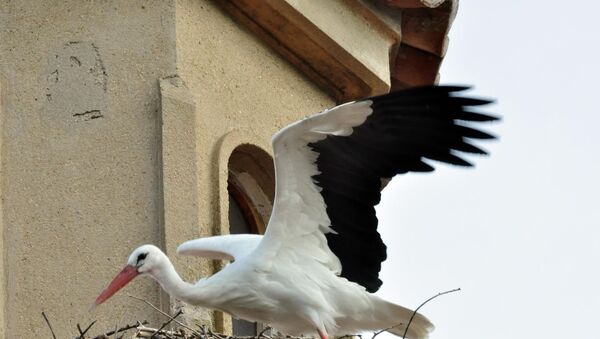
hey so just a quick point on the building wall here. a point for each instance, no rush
(97, 158)
(79, 166)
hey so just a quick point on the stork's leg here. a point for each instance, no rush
(322, 333)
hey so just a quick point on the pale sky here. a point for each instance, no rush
(520, 233)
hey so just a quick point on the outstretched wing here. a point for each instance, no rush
(329, 168)
(225, 247)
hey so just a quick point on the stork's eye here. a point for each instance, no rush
(142, 256)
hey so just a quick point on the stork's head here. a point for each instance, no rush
(145, 259)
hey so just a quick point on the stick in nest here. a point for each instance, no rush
(122, 329)
(50, 326)
(166, 315)
(413, 315)
(180, 312)
(82, 333)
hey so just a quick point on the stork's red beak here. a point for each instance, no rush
(124, 277)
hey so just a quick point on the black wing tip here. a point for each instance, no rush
(485, 135)
(492, 118)
(449, 158)
(421, 166)
(468, 148)
(454, 88)
(466, 101)
(472, 116)
(471, 131)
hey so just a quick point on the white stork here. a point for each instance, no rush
(315, 268)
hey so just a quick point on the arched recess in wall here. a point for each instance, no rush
(251, 189)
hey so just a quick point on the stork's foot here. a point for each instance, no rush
(322, 334)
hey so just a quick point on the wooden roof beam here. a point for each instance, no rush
(427, 29)
(337, 43)
(414, 67)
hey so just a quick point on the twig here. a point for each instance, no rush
(413, 315)
(147, 332)
(82, 333)
(167, 323)
(384, 330)
(267, 328)
(122, 329)
(423, 304)
(115, 331)
(120, 321)
(212, 334)
(204, 332)
(165, 314)
(50, 326)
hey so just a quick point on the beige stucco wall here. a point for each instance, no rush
(79, 142)
(87, 170)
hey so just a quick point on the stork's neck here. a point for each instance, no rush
(172, 283)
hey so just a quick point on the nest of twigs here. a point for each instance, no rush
(142, 331)
(201, 333)
(183, 331)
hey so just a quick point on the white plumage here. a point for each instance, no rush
(312, 271)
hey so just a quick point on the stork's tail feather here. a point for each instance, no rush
(419, 327)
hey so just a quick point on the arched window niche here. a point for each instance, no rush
(251, 189)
